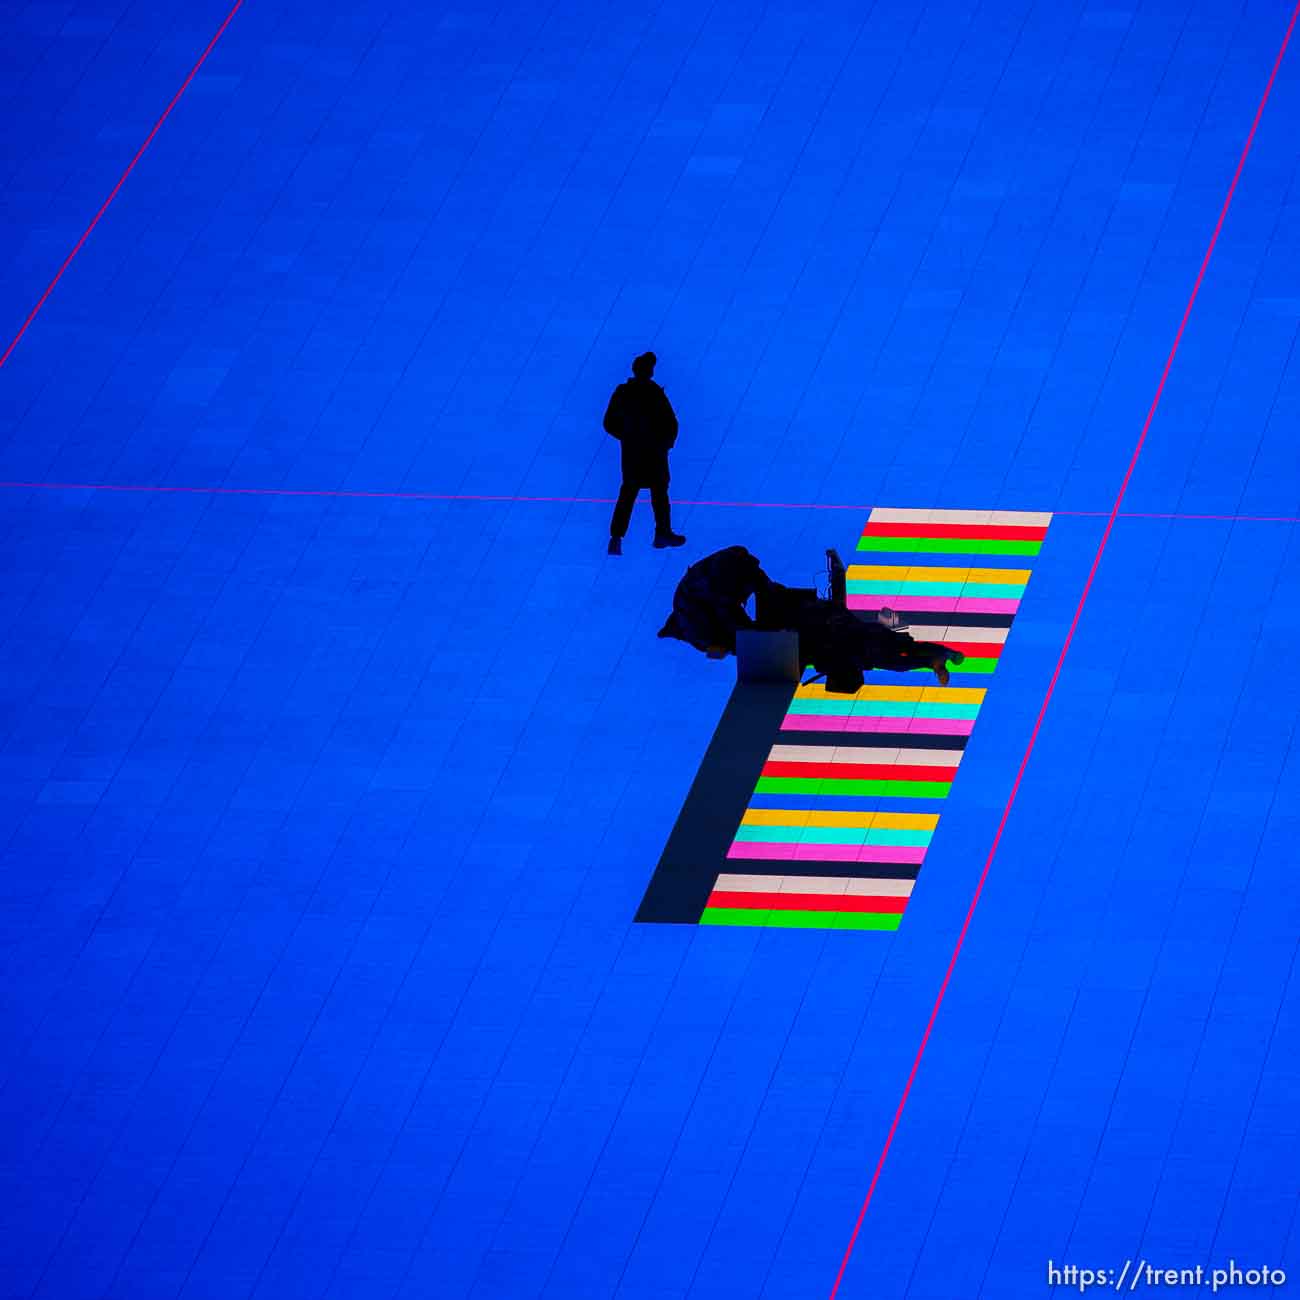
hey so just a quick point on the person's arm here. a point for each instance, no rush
(670, 420)
(614, 414)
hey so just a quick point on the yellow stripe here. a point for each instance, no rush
(904, 694)
(999, 575)
(809, 817)
(942, 694)
(898, 821)
(903, 572)
(781, 817)
(908, 573)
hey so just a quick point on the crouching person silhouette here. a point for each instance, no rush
(709, 603)
(641, 417)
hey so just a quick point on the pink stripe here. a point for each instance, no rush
(814, 722)
(938, 604)
(906, 853)
(767, 852)
(914, 853)
(827, 852)
(917, 726)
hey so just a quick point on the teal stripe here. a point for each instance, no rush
(991, 590)
(934, 711)
(834, 708)
(882, 709)
(831, 835)
(887, 835)
(776, 835)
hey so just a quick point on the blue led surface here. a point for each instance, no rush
(335, 753)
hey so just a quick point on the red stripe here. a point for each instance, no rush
(806, 902)
(1060, 662)
(984, 532)
(859, 771)
(977, 649)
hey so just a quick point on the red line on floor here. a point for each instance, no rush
(58, 275)
(590, 501)
(1069, 636)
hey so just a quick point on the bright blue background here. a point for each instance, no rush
(324, 817)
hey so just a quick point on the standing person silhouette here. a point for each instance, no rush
(641, 417)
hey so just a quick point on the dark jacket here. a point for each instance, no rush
(641, 417)
(709, 603)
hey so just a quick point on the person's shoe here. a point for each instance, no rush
(615, 546)
(669, 539)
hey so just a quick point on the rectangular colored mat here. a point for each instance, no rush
(814, 810)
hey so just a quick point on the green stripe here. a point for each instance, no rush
(818, 785)
(988, 590)
(948, 545)
(777, 918)
(974, 666)
(830, 835)
(883, 708)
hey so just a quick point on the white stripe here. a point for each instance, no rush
(883, 888)
(1020, 518)
(813, 885)
(996, 518)
(888, 515)
(936, 632)
(854, 754)
(827, 754)
(738, 884)
(748, 884)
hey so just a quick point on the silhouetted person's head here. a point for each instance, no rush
(643, 367)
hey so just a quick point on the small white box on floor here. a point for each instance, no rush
(767, 656)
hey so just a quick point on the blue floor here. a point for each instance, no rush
(335, 754)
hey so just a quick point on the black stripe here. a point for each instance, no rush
(977, 620)
(870, 739)
(851, 870)
(945, 618)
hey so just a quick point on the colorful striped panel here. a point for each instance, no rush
(955, 532)
(813, 849)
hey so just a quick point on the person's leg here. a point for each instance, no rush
(664, 535)
(903, 655)
(627, 495)
(931, 650)
(937, 657)
(662, 507)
